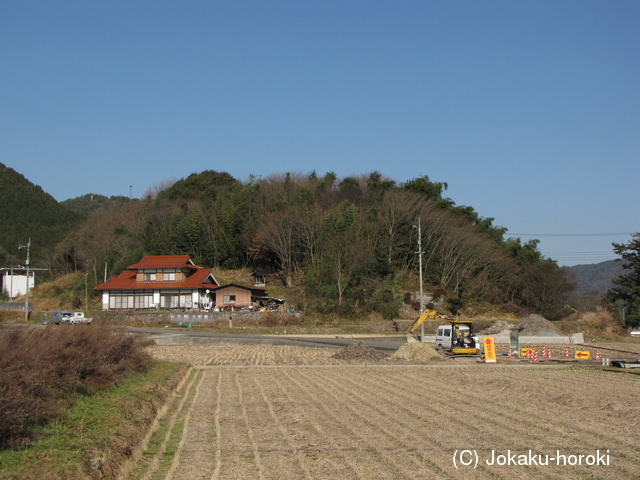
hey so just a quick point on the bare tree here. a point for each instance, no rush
(277, 191)
(280, 231)
(400, 209)
(153, 191)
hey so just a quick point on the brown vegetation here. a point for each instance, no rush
(599, 324)
(41, 368)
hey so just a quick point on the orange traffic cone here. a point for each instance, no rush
(566, 352)
(509, 353)
(549, 355)
(535, 357)
(544, 352)
(598, 354)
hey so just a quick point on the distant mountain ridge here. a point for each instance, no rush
(596, 277)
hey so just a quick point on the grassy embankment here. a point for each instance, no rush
(76, 401)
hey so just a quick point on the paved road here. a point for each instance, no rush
(166, 336)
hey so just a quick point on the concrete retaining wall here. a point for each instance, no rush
(541, 340)
(202, 318)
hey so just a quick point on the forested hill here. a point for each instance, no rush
(343, 245)
(28, 212)
(597, 277)
(88, 203)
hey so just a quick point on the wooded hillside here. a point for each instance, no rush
(346, 244)
(28, 212)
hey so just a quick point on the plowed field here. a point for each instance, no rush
(331, 420)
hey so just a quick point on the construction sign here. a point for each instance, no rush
(524, 352)
(489, 350)
(582, 355)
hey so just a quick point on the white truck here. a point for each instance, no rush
(78, 317)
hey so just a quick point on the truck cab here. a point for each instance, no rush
(78, 317)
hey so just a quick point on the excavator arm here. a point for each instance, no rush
(426, 315)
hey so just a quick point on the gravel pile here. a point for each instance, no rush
(535, 325)
(498, 327)
(417, 352)
(359, 351)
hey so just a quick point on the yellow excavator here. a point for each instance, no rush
(457, 337)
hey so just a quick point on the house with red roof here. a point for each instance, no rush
(172, 282)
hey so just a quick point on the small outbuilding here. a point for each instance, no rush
(237, 297)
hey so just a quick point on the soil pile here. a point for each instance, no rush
(535, 325)
(417, 352)
(359, 351)
(498, 327)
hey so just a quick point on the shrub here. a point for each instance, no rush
(41, 368)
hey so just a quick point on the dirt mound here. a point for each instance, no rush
(498, 327)
(359, 351)
(417, 352)
(538, 326)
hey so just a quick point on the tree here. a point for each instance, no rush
(345, 249)
(626, 290)
(398, 211)
(280, 232)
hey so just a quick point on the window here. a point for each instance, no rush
(176, 299)
(170, 277)
(143, 299)
(229, 299)
(149, 277)
(125, 300)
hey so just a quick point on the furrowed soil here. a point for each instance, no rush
(264, 412)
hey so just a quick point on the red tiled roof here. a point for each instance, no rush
(200, 278)
(164, 261)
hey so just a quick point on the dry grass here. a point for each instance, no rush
(355, 353)
(595, 325)
(375, 422)
(270, 418)
(41, 368)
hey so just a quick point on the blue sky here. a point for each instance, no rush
(528, 110)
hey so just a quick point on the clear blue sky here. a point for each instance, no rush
(529, 110)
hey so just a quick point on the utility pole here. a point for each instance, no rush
(420, 253)
(86, 293)
(26, 303)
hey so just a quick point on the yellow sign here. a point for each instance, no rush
(584, 355)
(525, 351)
(489, 350)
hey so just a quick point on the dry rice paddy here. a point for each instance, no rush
(297, 413)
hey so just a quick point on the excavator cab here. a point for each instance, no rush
(463, 339)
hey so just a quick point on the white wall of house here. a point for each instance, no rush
(105, 300)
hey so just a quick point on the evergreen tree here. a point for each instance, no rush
(626, 292)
